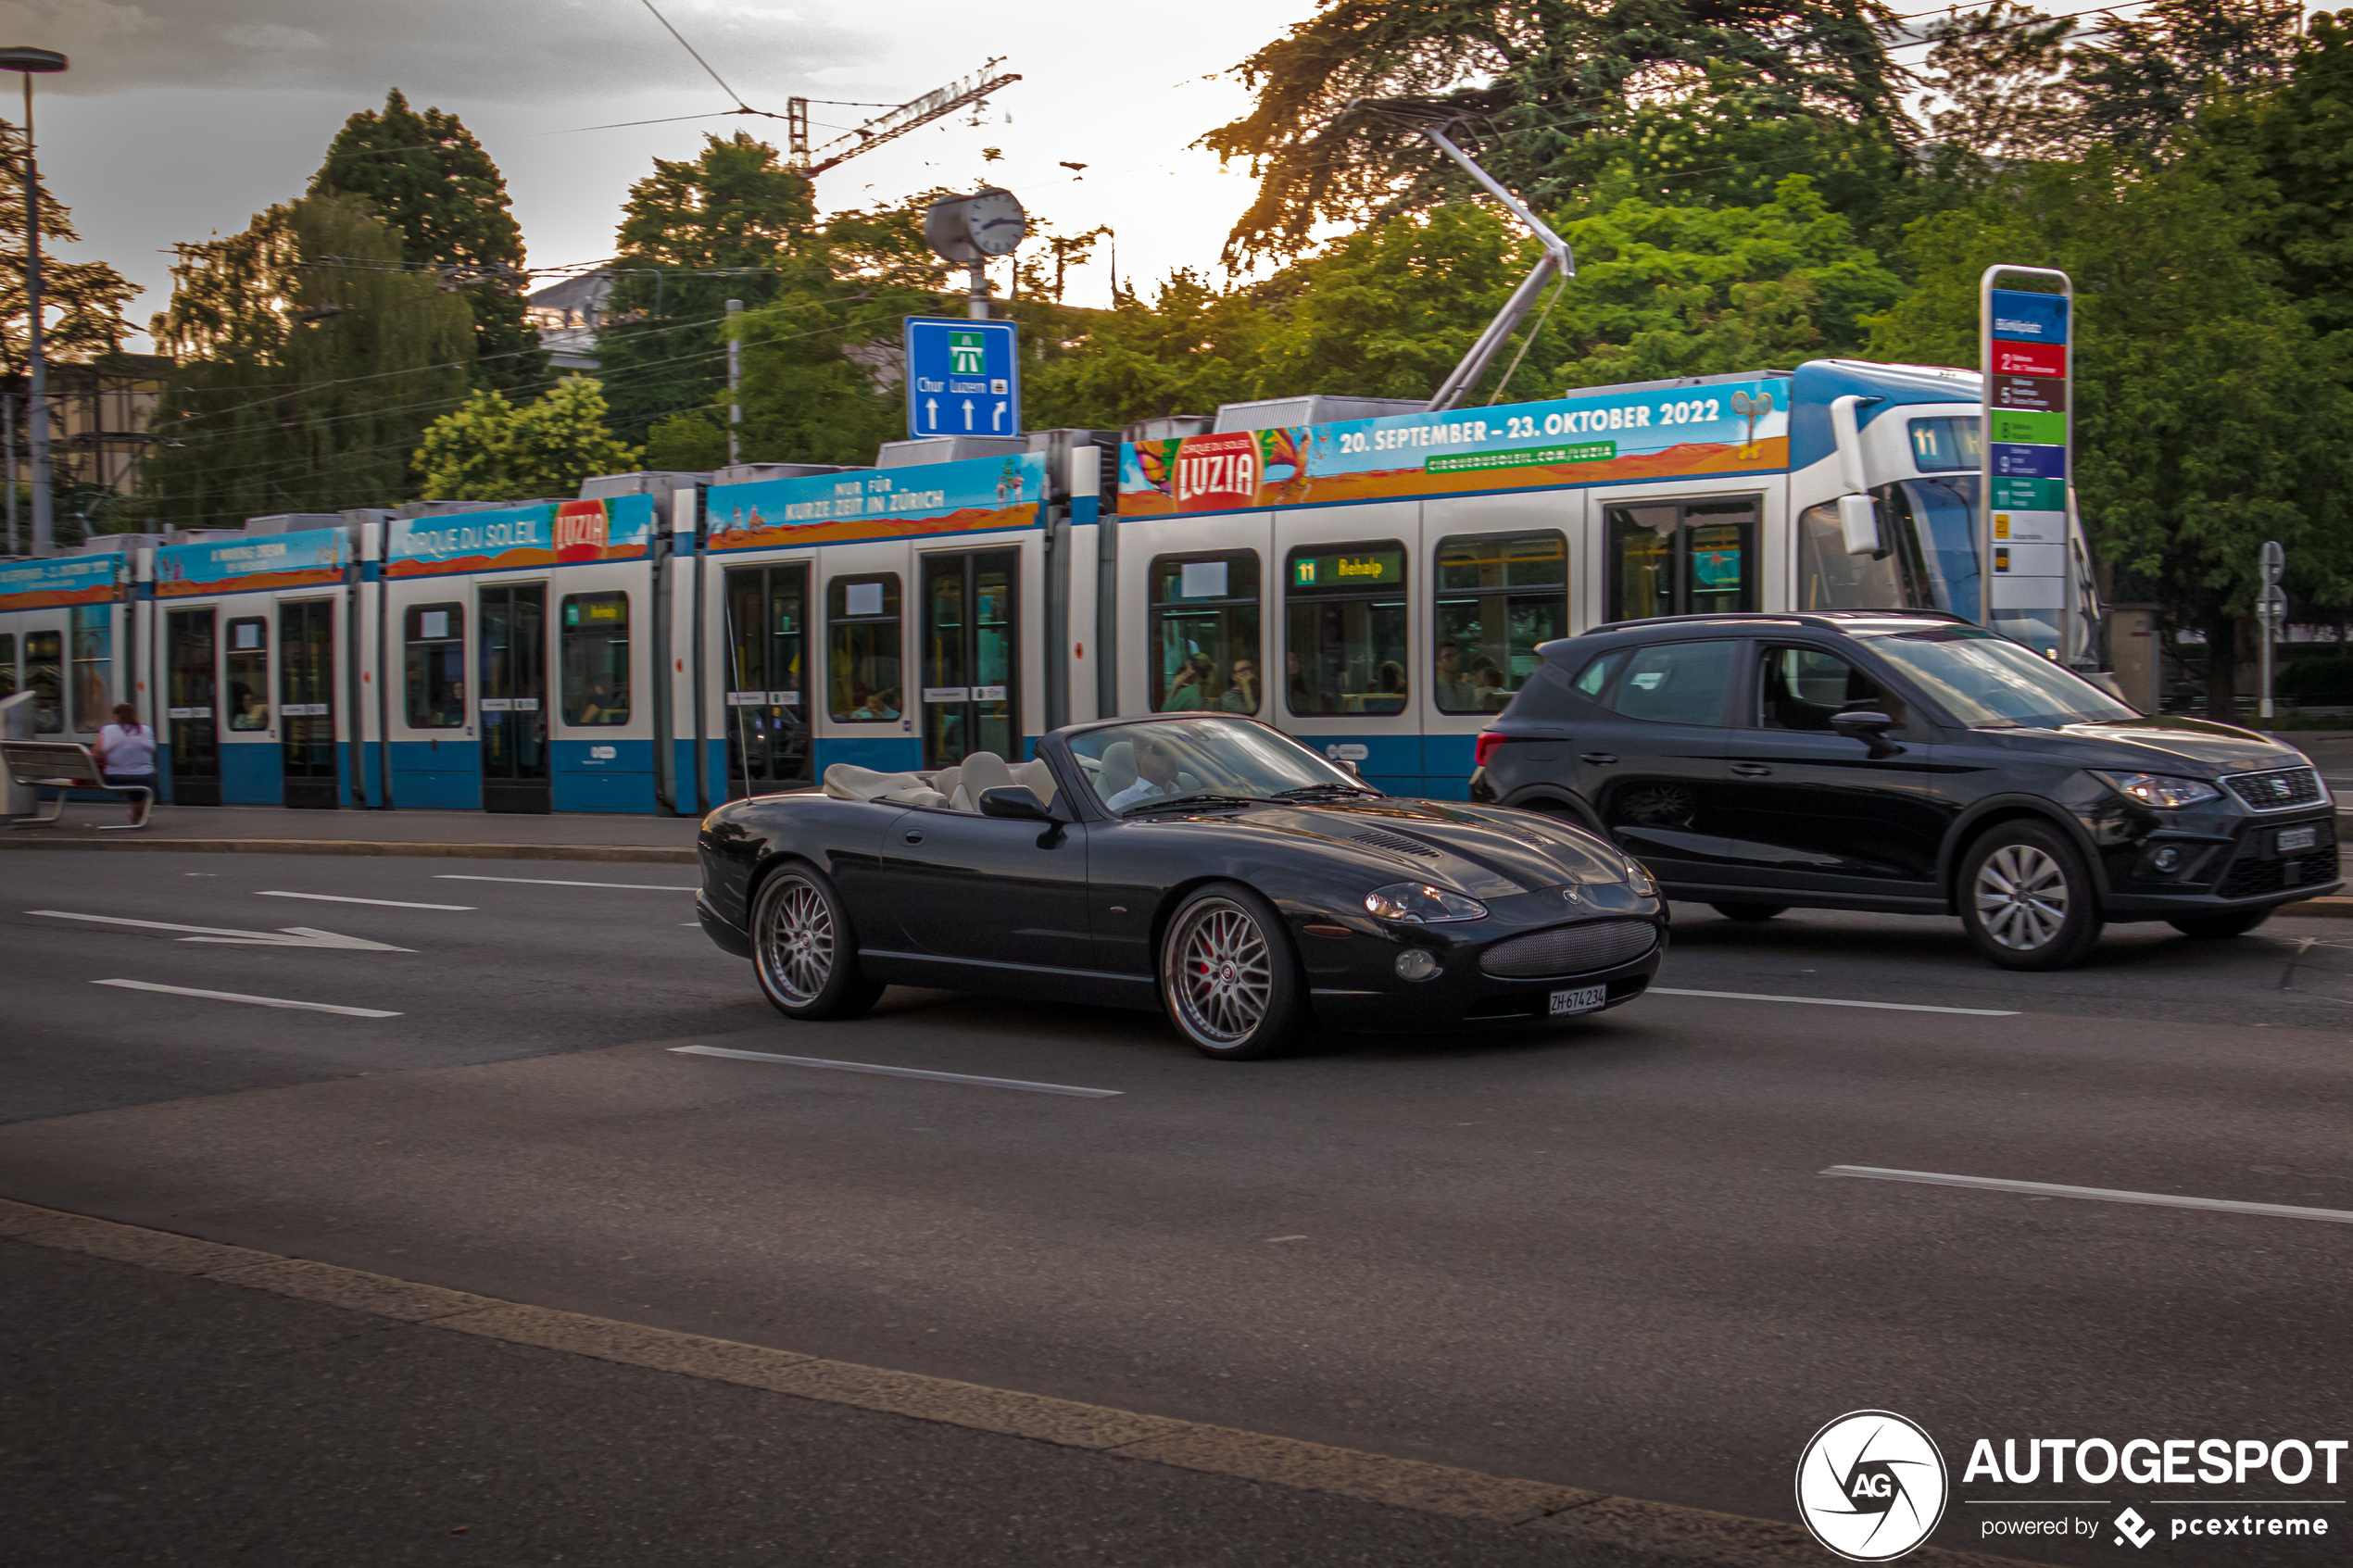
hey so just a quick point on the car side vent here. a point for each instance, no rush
(1394, 845)
(1569, 950)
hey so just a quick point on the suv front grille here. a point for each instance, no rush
(2253, 877)
(2277, 789)
(1569, 950)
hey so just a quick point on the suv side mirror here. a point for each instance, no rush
(1869, 728)
(1017, 801)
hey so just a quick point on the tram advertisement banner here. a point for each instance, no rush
(1729, 427)
(75, 580)
(969, 496)
(554, 533)
(314, 558)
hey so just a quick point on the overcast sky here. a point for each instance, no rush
(181, 117)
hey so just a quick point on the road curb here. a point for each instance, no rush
(1607, 1530)
(638, 854)
(2318, 909)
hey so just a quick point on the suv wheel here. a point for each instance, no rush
(2214, 927)
(2026, 898)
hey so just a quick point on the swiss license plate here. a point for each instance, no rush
(1585, 999)
(2292, 839)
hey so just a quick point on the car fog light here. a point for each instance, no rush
(2166, 858)
(1415, 963)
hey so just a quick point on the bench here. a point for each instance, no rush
(64, 765)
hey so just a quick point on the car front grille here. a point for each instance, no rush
(2276, 790)
(1569, 950)
(2253, 877)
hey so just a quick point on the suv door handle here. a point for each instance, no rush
(1599, 759)
(1750, 770)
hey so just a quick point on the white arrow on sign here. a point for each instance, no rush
(931, 412)
(284, 936)
(968, 413)
(996, 414)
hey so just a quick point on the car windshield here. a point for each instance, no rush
(1132, 766)
(1985, 681)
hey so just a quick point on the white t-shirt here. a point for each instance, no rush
(1142, 789)
(127, 752)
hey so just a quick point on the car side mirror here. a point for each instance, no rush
(1869, 728)
(1016, 801)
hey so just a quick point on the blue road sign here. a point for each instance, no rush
(964, 377)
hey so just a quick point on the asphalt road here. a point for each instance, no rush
(1604, 1255)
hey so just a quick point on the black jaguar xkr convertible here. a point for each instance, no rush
(1201, 863)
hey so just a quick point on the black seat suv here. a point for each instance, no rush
(1908, 762)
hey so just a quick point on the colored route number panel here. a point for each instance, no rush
(964, 377)
(1585, 999)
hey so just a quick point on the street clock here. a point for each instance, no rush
(974, 228)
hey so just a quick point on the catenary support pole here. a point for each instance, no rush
(734, 385)
(37, 411)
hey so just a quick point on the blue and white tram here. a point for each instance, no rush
(66, 627)
(1378, 587)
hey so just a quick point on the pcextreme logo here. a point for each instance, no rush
(1871, 1485)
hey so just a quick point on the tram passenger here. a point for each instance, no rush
(1241, 693)
(1387, 695)
(1455, 693)
(1193, 684)
(1303, 698)
(879, 705)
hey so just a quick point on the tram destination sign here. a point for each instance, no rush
(2027, 448)
(1724, 427)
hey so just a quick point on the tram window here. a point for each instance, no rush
(1204, 625)
(92, 666)
(1682, 558)
(7, 664)
(1828, 578)
(44, 678)
(248, 675)
(1499, 596)
(596, 658)
(1948, 444)
(435, 670)
(1345, 651)
(863, 684)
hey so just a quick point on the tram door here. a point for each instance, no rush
(971, 676)
(189, 650)
(768, 702)
(306, 701)
(512, 619)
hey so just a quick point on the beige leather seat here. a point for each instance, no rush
(1119, 768)
(1037, 777)
(982, 770)
(847, 780)
(918, 796)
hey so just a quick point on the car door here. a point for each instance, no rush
(1807, 809)
(988, 889)
(1653, 761)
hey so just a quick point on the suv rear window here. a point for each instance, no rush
(1675, 683)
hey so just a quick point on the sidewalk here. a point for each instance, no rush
(466, 834)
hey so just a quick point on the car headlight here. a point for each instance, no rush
(2160, 790)
(1640, 879)
(1418, 903)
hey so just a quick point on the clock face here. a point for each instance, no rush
(996, 222)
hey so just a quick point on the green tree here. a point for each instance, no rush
(83, 301)
(2208, 416)
(2148, 74)
(1188, 350)
(1525, 82)
(491, 449)
(310, 362)
(688, 442)
(1997, 85)
(731, 224)
(426, 176)
(2299, 139)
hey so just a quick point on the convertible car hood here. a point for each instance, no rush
(2163, 743)
(1488, 854)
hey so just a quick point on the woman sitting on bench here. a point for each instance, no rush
(126, 753)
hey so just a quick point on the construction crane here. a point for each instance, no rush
(891, 124)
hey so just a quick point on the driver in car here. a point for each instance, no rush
(1155, 774)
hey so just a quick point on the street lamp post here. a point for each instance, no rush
(32, 61)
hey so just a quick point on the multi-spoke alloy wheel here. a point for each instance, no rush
(2026, 898)
(2022, 898)
(1227, 976)
(801, 948)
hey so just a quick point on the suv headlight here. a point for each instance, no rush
(1418, 903)
(2160, 790)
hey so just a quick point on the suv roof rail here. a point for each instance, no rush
(1827, 619)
